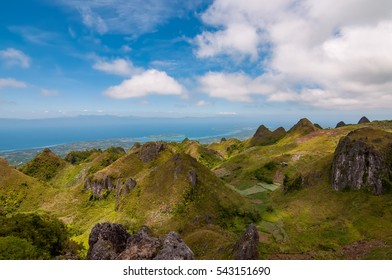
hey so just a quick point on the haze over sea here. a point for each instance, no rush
(29, 134)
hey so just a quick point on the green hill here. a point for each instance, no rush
(44, 166)
(210, 193)
(19, 192)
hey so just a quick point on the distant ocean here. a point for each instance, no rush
(29, 134)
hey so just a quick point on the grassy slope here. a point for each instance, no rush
(163, 200)
(19, 192)
(315, 221)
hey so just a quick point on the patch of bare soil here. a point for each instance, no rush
(221, 172)
(264, 237)
(278, 177)
(358, 250)
(256, 201)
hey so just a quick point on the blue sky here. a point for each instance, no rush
(172, 58)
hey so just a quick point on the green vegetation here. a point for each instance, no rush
(266, 172)
(44, 166)
(30, 236)
(76, 157)
(207, 193)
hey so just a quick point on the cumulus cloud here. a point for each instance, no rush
(14, 57)
(9, 82)
(232, 86)
(150, 82)
(236, 39)
(121, 67)
(330, 54)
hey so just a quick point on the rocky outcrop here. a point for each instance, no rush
(111, 241)
(192, 177)
(107, 241)
(263, 136)
(362, 160)
(173, 248)
(340, 124)
(363, 120)
(101, 186)
(246, 247)
(150, 151)
(141, 246)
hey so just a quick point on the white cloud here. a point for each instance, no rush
(93, 20)
(202, 103)
(232, 86)
(236, 39)
(329, 54)
(36, 35)
(227, 113)
(121, 67)
(49, 92)
(9, 82)
(14, 57)
(150, 82)
(126, 48)
(128, 17)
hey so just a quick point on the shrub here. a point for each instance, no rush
(44, 237)
(292, 184)
(15, 248)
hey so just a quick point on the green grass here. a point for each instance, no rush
(212, 214)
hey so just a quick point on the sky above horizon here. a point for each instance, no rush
(319, 59)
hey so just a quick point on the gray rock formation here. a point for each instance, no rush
(111, 241)
(363, 120)
(141, 246)
(340, 124)
(107, 241)
(246, 247)
(173, 248)
(150, 151)
(192, 177)
(98, 187)
(359, 164)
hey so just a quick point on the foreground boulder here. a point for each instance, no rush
(362, 160)
(107, 241)
(110, 241)
(246, 247)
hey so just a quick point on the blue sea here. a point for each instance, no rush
(28, 134)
